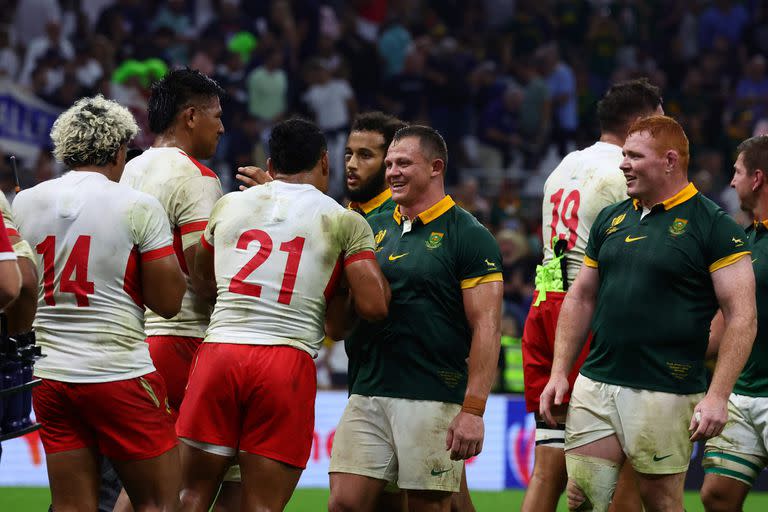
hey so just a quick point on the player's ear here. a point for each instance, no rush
(324, 165)
(188, 116)
(758, 179)
(270, 168)
(438, 167)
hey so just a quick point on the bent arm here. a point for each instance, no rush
(163, 285)
(735, 289)
(369, 289)
(482, 306)
(10, 282)
(203, 287)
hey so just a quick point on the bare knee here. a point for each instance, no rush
(341, 504)
(716, 500)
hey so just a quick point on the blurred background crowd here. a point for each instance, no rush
(511, 84)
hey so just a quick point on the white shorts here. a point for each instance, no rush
(652, 426)
(397, 440)
(739, 452)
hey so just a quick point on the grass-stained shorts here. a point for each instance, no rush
(397, 440)
(652, 426)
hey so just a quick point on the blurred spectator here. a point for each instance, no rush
(43, 45)
(332, 104)
(562, 90)
(268, 89)
(29, 14)
(362, 59)
(752, 88)
(393, 45)
(467, 195)
(405, 95)
(10, 65)
(535, 114)
(498, 129)
(722, 19)
(518, 269)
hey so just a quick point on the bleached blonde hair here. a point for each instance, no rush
(91, 132)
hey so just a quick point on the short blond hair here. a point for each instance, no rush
(91, 132)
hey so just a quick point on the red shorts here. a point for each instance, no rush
(255, 398)
(124, 419)
(539, 348)
(172, 357)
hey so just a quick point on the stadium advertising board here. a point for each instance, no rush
(506, 461)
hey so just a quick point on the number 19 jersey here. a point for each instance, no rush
(279, 250)
(89, 234)
(582, 184)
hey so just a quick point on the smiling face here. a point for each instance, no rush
(408, 171)
(364, 157)
(207, 128)
(644, 167)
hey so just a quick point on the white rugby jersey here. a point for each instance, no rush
(279, 250)
(21, 248)
(584, 183)
(187, 190)
(89, 236)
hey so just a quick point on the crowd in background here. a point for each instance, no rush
(511, 84)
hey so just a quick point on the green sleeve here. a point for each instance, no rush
(726, 240)
(597, 234)
(478, 253)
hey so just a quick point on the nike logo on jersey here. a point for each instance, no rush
(438, 472)
(392, 257)
(657, 458)
(630, 239)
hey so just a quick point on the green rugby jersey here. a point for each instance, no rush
(419, 351)
(379, 204)
(656, 299)
(753, 380)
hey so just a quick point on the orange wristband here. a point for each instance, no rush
(473, 405)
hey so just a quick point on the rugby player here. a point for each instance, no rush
(406, 398)
(656, 267)
(734, 459)
(584, 183)
(104, 252)
(279, 250)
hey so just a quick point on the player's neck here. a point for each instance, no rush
(300, 178)
(760, 211)
(424, 203)
(611, 138)
(172, 140)
(671, 189)
(110, 171)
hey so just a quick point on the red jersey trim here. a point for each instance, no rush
(205, 243)
(364, 255)
(203, 169)
(157, 253)
(191, 227)
(12, 232)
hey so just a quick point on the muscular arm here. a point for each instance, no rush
(163, 285)
(572, 330)
(735, 289)
(21, 312)
(482, 306)
(10, 282)
(369, 289)
(203, 269)
(204, 288)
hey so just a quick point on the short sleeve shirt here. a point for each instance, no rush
(187, 190)
(279, 252)
(419, 351)
(21, 248)
(656, 298)
(90, 236)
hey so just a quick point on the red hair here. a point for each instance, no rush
(667, 133)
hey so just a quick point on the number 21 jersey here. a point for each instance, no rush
(279, 250)
(584, 183)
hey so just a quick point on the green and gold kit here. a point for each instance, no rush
(753, 380)
(380, 204)
(656, 298)
(419, 351)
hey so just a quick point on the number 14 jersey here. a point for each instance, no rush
(89, 235)
(584, 183)
(279, 250)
